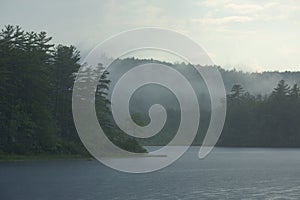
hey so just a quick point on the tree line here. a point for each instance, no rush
(263, 121)
(36, 80)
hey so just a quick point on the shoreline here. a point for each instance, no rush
(53, 157)
(46, 157)
(42, 157)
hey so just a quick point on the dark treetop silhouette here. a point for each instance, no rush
(36, 79)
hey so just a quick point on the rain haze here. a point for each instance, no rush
(247, 35)
(149, 99)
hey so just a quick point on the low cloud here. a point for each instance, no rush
(223, 20)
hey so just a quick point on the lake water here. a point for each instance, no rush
(227, 173)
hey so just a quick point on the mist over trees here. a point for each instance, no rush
(262, 108)
(270, 121)
(36, 80)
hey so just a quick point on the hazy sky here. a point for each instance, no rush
(252, 35)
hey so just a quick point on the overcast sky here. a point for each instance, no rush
(251, 35)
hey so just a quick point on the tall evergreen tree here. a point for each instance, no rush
(65, 65)
(281, 90)
(25, 61)
(294, 91)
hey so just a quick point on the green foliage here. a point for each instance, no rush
(115, 135)
(269, 122)
(65, 65)
(36, 80)
(25, 63)
(260, 114)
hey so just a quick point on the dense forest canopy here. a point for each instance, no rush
(269, 121)
(36, 80)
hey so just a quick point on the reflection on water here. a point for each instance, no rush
(227, 173)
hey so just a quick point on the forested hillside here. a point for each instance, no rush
(36, 80)
(263, 121)
(262, 108)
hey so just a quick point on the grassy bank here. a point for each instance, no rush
(16, 158)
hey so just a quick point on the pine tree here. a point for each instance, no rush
(65, 65)
(294, 91)
(281, 90)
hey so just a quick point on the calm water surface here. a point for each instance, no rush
(227, 173)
